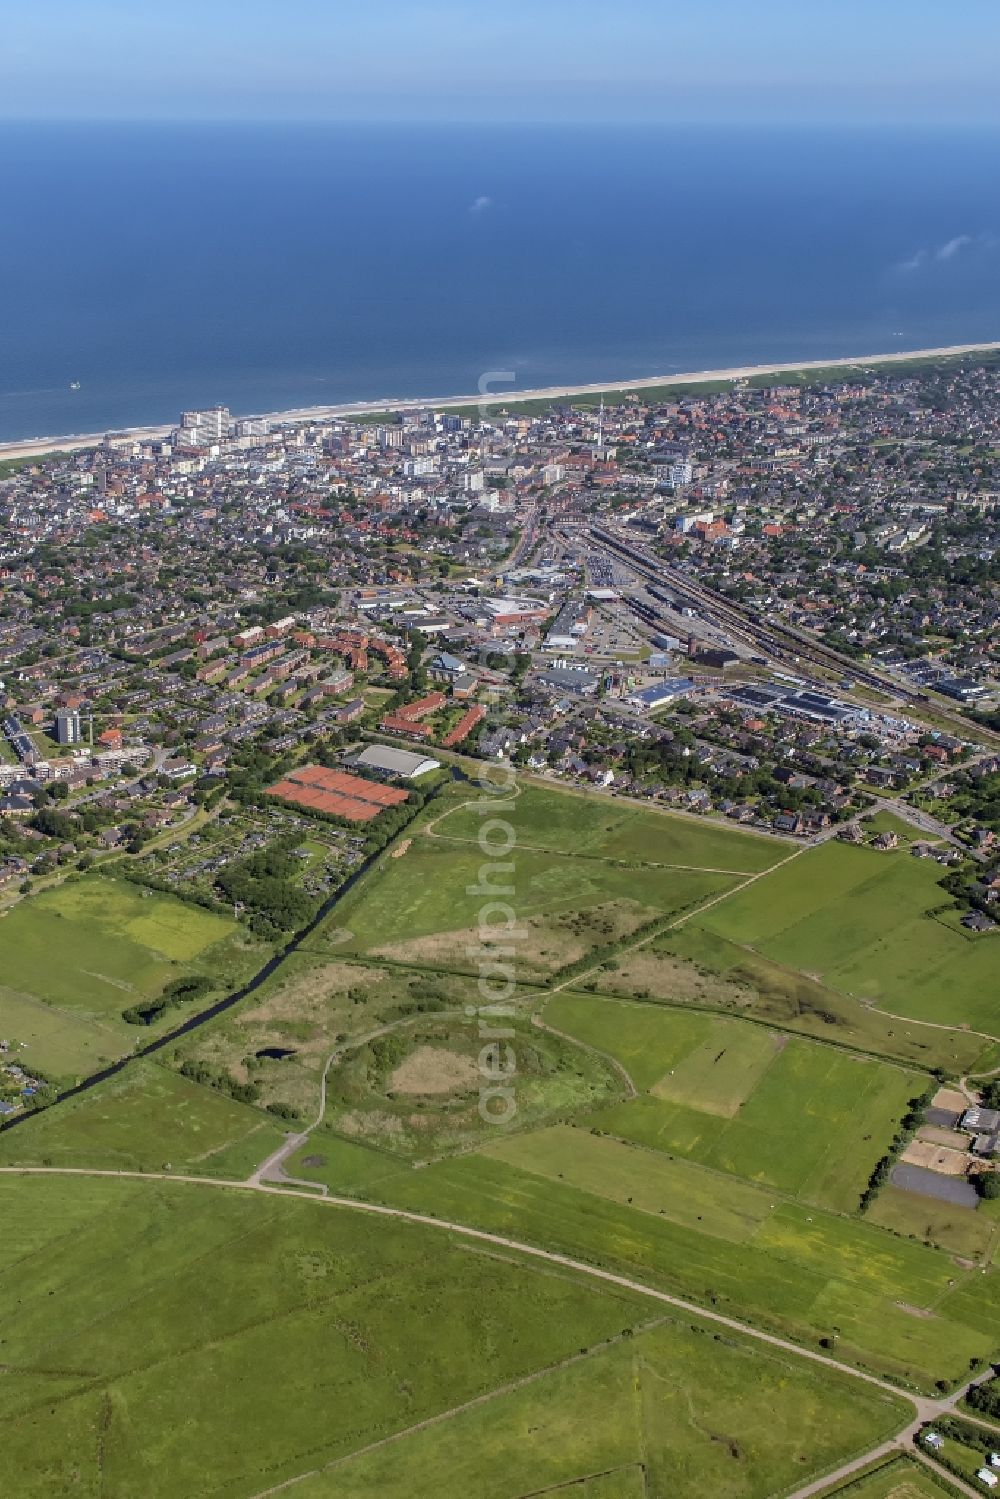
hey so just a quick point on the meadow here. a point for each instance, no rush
(146, 1118)
(170, 1339)
(82, 952)
(691, 965)
(572, 822)
(416, 1091)
(144, 1315)
(896, 1307)
(422, 908)
(898, 1478)
(282, 1036)
(673, 1411)
(807, 1119)
(970, 1232)
(859, 922)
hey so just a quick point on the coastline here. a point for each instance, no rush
(73, 442)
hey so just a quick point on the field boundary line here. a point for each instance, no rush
(605, 1056)
(672, 924)
(927, 1407)
(508, 1388)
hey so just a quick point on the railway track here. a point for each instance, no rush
(781, 642)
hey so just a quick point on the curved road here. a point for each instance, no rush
(925, 1408)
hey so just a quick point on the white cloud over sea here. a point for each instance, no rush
(949, 250)
(480, 204)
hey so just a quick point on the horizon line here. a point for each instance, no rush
(28, 447)
(683, 122)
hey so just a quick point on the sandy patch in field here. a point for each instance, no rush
(553, 939)
(544, 948)
(950, 1099)
(433, 1069)
(934, 1134)
(672, 978)
(401, 848)
(935, 1158)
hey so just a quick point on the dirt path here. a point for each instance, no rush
(273, 1169)
(456, 1410)
(926, 1407)
(670, 926)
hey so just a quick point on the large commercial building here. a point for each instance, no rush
(385, 760)
(660, 694)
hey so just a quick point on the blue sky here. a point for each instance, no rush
(758, 61)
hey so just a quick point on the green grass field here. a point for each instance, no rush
(899, 1478)
(692, 965)
(673, 1411)
(72, 958)
(807, 1119)
(971, 1232)
(310, 1006)
(858, 921)
(425, 1100)
(896, 1307)
(215, 1342)
(147, 1118)
(180, 1341)
(571, 822)
(419, 909)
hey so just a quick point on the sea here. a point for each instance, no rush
(145, 269)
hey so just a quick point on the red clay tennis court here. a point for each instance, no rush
(336, 792)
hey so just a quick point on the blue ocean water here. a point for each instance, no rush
(266, 267)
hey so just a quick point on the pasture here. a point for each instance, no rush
(892, 1306)
(674, 1411)
(860, 922)
(90, 948)
(423, 908)
(575, 823)
(147, 1118)
(806, 1119)
(144, 1313)
(691, 964)
(970, 1232)
(899, 1478)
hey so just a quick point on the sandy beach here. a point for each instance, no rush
(38, 447)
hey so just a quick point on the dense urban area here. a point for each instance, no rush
(734, 652)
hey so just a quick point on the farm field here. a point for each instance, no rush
(419, 909)
(92, 947)
(890, 1305)
(900, 1478)
(147, 1118)
(858, 922)
(807, 1119)
(570, 822)
(966, 1231)
(145, 1310)
(672, 1412)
